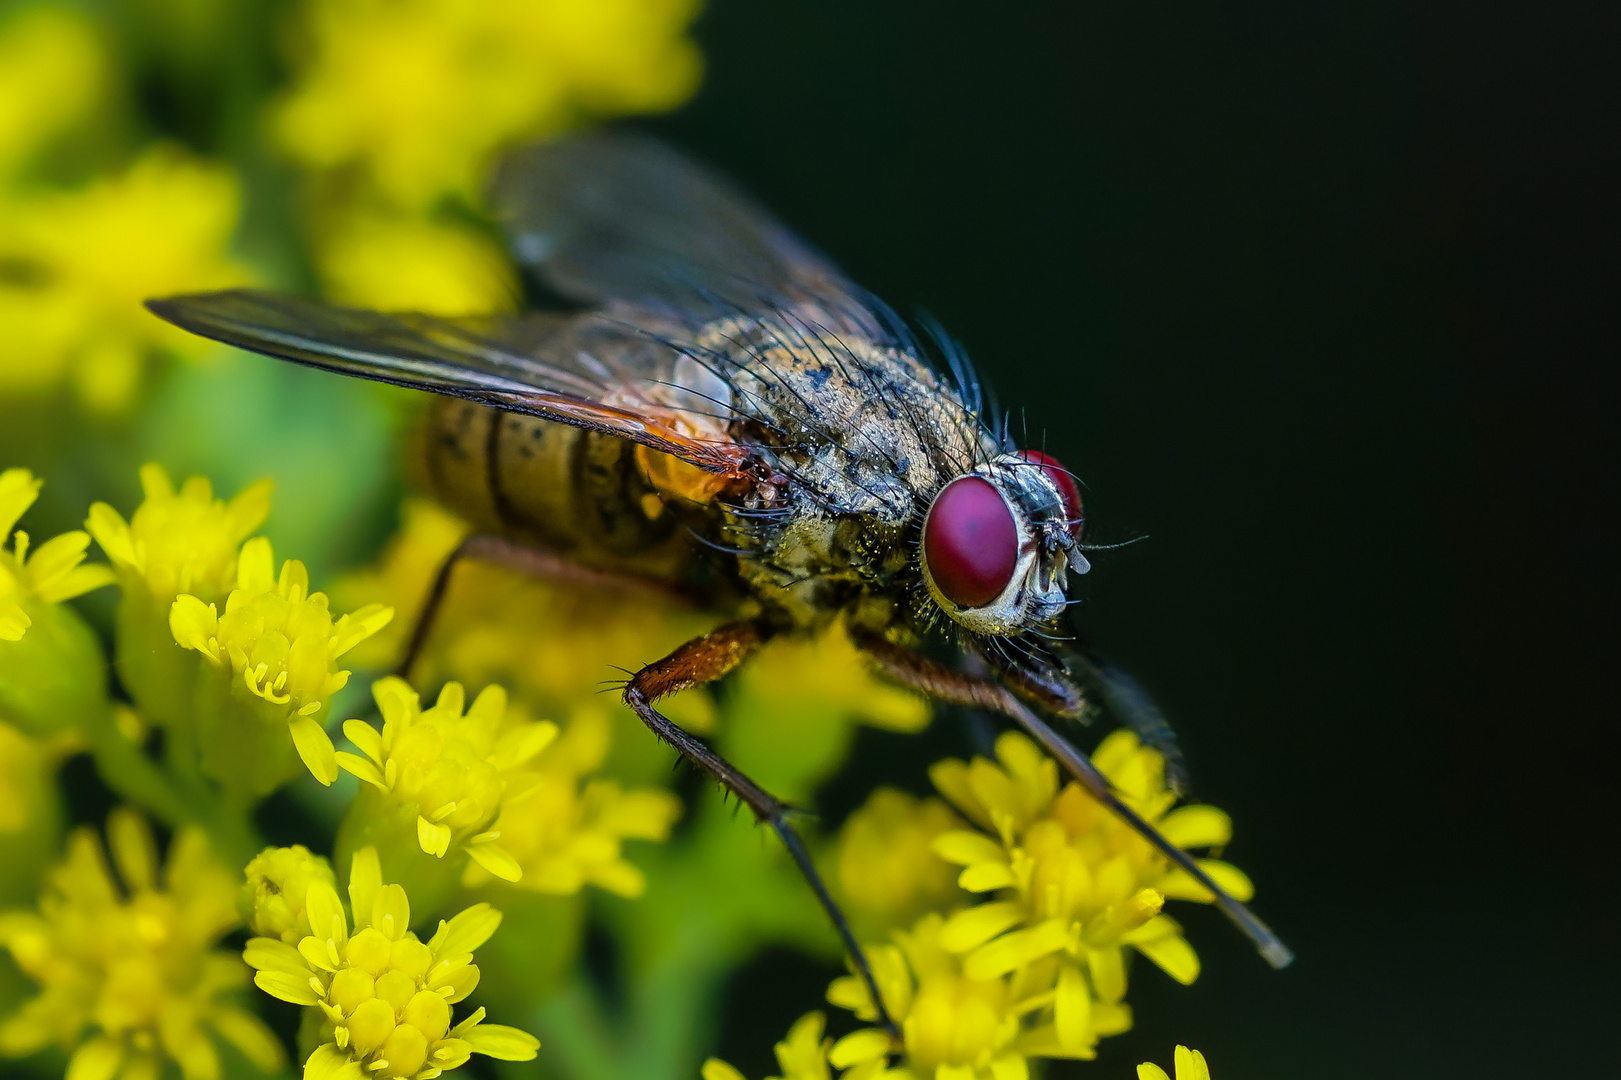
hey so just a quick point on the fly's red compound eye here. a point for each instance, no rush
(1062, 480)
(970, 542)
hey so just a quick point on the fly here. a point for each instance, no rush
(723, 414)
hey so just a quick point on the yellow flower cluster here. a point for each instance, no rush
(1074, 887)
(448, 769)
(384, 995)
(885, 865)
(398, 105)
(129, 977)
(87, 257)
(52, 71)
(417, 94)
(277, 886)
(566, 827)
(278, 645)
(51, 575)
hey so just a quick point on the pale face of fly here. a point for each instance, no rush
(999, 542)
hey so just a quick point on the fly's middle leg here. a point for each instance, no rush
(704, 660)
(526, 559)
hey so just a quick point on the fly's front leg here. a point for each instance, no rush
(704, 660)
(921, 674)
(532, 561)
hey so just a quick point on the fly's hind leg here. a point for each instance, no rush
(532, 561)
(704, 660)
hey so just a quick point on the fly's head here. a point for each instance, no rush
(999, 542)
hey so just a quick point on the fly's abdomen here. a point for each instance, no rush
(564, 488)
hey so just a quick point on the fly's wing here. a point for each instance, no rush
(615, 216)
(590, 370)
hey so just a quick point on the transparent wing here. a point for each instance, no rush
(616, 216)
(590, 370)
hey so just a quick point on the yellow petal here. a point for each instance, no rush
(18, 490)
(1174, 956)
(466, 932)
(133, 849)
(987, 877)
(501, 1041)
(1149, 1071)
(433, 838)
(859, 1046)
(716, 1069)
(325, 913)
(14, 622)
(97, 1059)
(273, 954)
(315, 748)
(1010, 1067)
(1072, 1009)
(365, 879)
(330, 1063)
(965, 848)
(1190, 1065)
(287, 987)
(1180, 884)
(1197, 826)
(193, 625)
(365, 737)
(498, 861)
(1012, 951)
(363, 768)
(391, 912)
(973, 927)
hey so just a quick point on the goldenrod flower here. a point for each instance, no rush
(886, 868)
(176, 542)
(801, 1056)
(129, 977)
(277, 646)
(183, 541)
(1190, 1065)
(385, 996)
(52, 575)
(567, 829)
(53, 67)
(952, 1023)
(417, 94)
(1075, 887)
(87, 258)
(400, 262)
(278, 881)
(449, 770)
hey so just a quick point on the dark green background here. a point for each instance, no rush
(1310, 293)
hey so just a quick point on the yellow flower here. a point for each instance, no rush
(385, 996)
(176, 542)
(52, 575)
(953, 1025)
(566, 830)
(53, 67)
(417, 94)
(801, 1056)
(86, 259)
(1075, 887)
(1190, 1065)
(182, 541)
(449, 771)
(129, 977)
(886, 868)
(278, 880)
(277, 646)
(399, 262)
